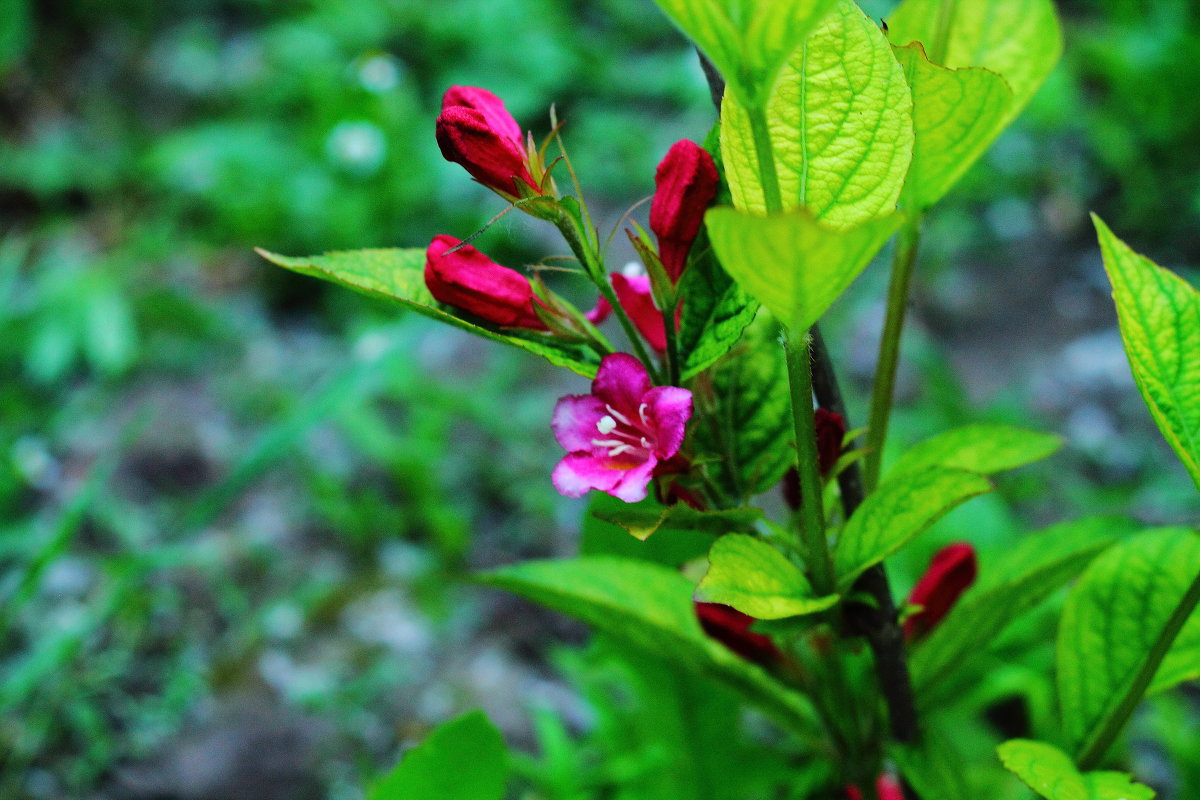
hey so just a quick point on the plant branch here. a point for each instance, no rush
(884, 386)
(812, 515)
(1096, 745)
(878, 624)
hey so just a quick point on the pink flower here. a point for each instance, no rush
(636, 298)
(618, 435)
(731, 628)
(469, 280)
(950, 573)
(476, 131)
(886, 787)
(685, 183)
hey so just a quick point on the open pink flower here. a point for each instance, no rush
(950, 573)
(469, 280)
(616, 436)
(685, 183)
(476, 131)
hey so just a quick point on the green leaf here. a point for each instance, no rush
(898, 510)
(1112, 620)
(649, 607)
(756, 579)
(841, 126)
(1019, 39)
(793, 264)
(675, 546)
(749, 396)
(957, 114)
(398, 276)
(748, 40)
(983, 448)
(716, 311)
(16, 25)
(935, 768)
(1021, 579)
(464, 758)
(1051, 773)
(642, 523)
(1159, 313)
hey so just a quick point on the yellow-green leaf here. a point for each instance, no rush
(748, 40)
(650, 607)
(983, 448)
(790, 262)
(1019, 39)
(756, 579)
(1159, 314)
(1051, 773)
(841, 126)
(897, 511)
(1112, 623)
(957, 113)
(398, 276)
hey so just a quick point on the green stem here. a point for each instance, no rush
(674, 368)
(766, 157)
(884, 386)
(581, 246)
(812, 515)
(1096, 745)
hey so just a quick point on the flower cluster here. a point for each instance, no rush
(622, 435)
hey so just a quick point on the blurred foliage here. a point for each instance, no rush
(216, 477)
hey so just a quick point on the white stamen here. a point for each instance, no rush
(616, 451)
(617, 415)
(642, 409)
(606, 425)
(645, 443)
(633, 269)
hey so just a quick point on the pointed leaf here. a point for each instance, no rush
(716, 311)
(793, 264)
(398, 276)
(1027, 574)
(756, 579)
(957, 114)
(750, 397)
(1112, 621)
(898, 510)
(1019, 39)
(1051, 773)
(649, 607)
(464, 758)
(1159, 314)
(642, 523)
(840, 126)
(983, 448)
(748, 40)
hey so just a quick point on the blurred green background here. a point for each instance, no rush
(236, 504)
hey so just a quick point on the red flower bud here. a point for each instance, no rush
(685, 183)
(731, 628)
(476, 131)
(886, 788)
(831, 430)
(950, 573)
(469, 280)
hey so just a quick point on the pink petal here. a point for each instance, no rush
(621, 382)
(632, 484)
(635, 296)
(600, 312)
(574, 421)
(670, 407)
(579, 472)
(486, 103)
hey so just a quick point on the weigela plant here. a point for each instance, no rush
(833, 135)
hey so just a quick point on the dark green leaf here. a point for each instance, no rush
(715, 312)
(642, 523)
